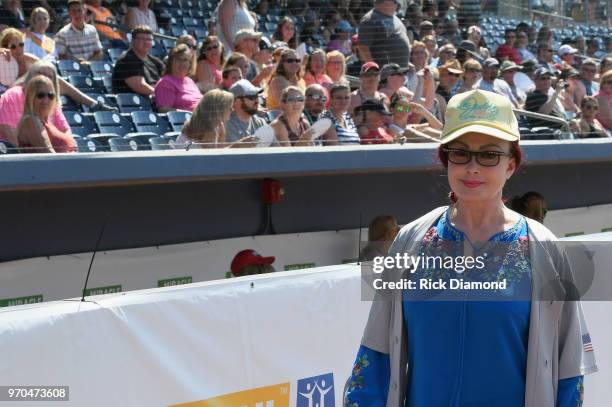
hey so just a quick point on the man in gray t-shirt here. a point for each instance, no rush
(244, 119)
(383, 38)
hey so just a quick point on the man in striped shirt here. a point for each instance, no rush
(77, 40)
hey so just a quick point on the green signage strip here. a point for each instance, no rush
(346, 261)
(11, 302)
(174, 281)
(289, 267)
(103, 290)
(606, 230)
(574, 234)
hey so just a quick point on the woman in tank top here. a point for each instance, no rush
(232, 16)
(141, 15)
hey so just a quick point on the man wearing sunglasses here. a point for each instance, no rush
(450, 73)
(316, 99)
(383, 38)
(244, 120)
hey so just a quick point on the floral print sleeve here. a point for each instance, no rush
(369, 381)
(570, 392)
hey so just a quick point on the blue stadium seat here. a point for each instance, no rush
(117, 144)
(177, 119)
(190, 23)
(69, 105)
(8, 148)
(98, 68)
(142, 138)
(178, 29)
(131, 102)
(107, 81)
(150, 122)
(111, 122)
(87, 84)
(80, 124)
(168, 44)
(109, 100)
(86, 145)
(160, 143)
(114, 53)
(67, 68)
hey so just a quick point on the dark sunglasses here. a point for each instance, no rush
(591, 107)
(20, 45)
(485, 158)
(42, 95)
(211, 47)
(322, 98)
(292, 60)
(342, 97)
(294, 99)
(250, 97)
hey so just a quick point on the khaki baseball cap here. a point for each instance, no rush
(479, 111)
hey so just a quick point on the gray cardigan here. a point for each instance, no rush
(555, 348)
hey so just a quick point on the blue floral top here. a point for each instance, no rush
(461, 351)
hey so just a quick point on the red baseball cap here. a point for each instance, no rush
(247, 258)
(368, 66)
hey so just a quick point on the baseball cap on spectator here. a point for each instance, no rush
(71, 2)
(529, 65)
(490, 63)
(375, 105)
(509, 66)
(566, 49)
(369, 66)
(244, 88)
(426, 24)
(494, 116)
(392, 69)
(541, 71)
(469, 46)
(452, 66)
(504, 51)
(569, 73)
(344, 26)
(246, 34)
(264, 43)
(247, 258)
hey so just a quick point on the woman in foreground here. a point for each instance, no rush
(528, 348)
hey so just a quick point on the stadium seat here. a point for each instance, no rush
(131, 102)
(160, 143)
(98, 68)
(8, 148)
(69, 105)
(111, 122)
(80, 124)
(87, 84)
(106, 99)
(107, 81)
(67, 68)
(86, 145)
(150, 122)
(114, 53)
(117, 144)
(142, 138)
(178, 29)
(190, 23)
(177, 119)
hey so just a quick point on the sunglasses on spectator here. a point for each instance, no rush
(211, 47)
(322, 98)
(252, 98)
(292, 60)
(342, 97)
(485, 158)
(473, 70)
(371, 73)
(20, 45)
(591, 107)
(456, 75)
(589, 70)
(607, 83)
(402, 108)
(292, 99)
(42, 95)
(544, 78)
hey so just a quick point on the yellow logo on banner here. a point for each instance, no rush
(270, 396)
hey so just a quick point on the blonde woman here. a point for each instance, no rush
(291, 127)
(315, 69)
(336, 68)
(206, 128)
(287, 74)
(176, 90)
(36, 42)
(35, 132)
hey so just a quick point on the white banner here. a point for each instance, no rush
(276, 340)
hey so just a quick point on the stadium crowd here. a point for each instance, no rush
(192, 74)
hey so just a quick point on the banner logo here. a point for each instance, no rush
(270, 396)
(316, 391)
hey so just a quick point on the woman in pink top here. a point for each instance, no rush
(176, 90)
(604, 97)
(35, 132)
(210, 62)
(13, 100)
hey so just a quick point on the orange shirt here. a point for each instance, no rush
(104, 14)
